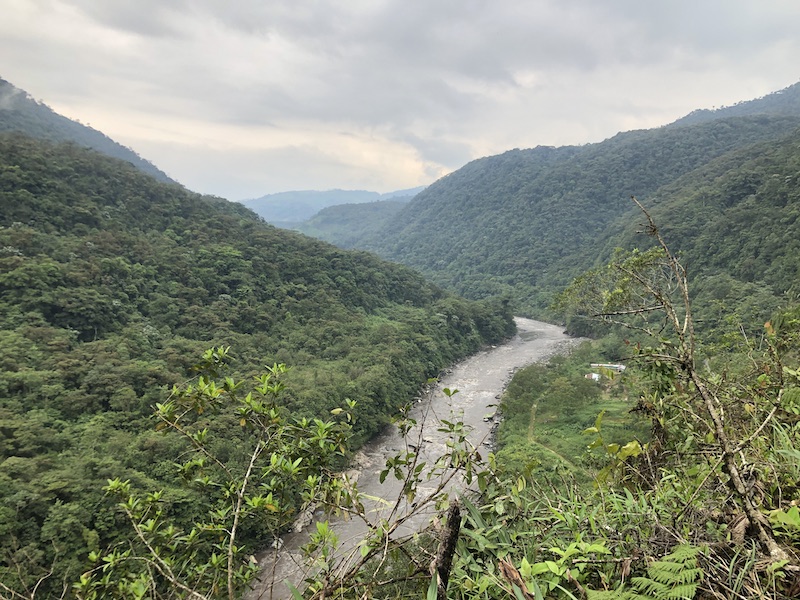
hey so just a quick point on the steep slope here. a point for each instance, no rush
(20, 112)
(525, 222)
(736, 223)
(111, 286)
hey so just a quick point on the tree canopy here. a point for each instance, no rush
(113, 284)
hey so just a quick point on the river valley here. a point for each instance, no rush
(480, 381)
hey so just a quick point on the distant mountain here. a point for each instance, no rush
(112, 284)
(525, 222)
(20, 112)
(287, 209)
(407, 193)
(347, 225)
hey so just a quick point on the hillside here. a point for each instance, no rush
(19, 112)
(347, 225)
(736, 224)
(112, 285)
(525, 222)
(287, 209)
(784, 102)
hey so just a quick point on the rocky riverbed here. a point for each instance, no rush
(480, 381)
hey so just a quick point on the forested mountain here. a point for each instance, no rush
(20, 112)
(348, 225)
(525, 222)
(287, 209)
(783, 102)
(112, 285)
(736, 224)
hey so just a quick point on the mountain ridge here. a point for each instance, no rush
(293, 207)
(523, 222)
(113, 284)
(19, 111)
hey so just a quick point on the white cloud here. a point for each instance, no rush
(250, 97)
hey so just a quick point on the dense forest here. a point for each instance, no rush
(346, 225)
(113, 285)
(501, 223)
(679, 478)
(178, 377)
(671, 474)
(525, 222)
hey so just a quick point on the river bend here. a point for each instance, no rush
(480, 380)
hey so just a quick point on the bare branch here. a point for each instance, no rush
(237, 513)
(742, 445)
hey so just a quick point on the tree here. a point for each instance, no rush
(247, 495)
(649, 292)
(289, 470)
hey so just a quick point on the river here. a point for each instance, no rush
(480, 380)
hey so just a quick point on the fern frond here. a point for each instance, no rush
(682, 592)
(674, 577)
(650, 587)
(689, 576)
(664, 569)
(618, 594)
(685, 553)
(671, 572)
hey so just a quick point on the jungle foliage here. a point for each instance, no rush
(112, 284)
(703, 505)
(525, 222)
(528, 221)
(678, 479)
(548, 407)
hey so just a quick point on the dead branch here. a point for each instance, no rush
(447, 548)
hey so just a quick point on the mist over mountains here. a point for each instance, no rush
(20, 112)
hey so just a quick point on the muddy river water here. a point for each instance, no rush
(480, 380)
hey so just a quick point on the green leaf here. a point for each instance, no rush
(599, 420)
(518, 592)
(433, 589)
(633, 448)
(295, 593)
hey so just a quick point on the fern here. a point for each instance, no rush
(620, 594)
(675, 577)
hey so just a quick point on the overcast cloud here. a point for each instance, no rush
(241, 98)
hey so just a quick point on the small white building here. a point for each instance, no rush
(610, 366)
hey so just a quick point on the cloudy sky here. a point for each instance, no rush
(241, 98)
